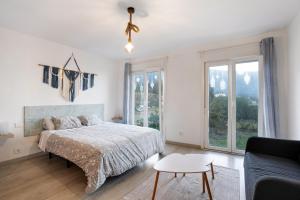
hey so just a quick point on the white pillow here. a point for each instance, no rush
(67, 122)
(90, 120)
(48, 124)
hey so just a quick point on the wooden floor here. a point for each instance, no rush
(41, 178)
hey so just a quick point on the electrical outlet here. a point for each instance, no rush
(180, 133)
(17, 151)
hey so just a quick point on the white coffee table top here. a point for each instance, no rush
(184, 163)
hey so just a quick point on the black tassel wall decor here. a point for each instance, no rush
(85, 81)
(46, 74)
(72, 76)
(92, 79)
(54, 77)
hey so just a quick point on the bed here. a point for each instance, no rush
(103, 150)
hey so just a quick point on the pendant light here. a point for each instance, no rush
(130, 27)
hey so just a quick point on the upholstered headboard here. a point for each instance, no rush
(33, 115)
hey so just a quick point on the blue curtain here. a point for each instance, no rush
(126, 93)
(271, 111)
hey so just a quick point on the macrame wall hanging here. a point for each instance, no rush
(70, 82)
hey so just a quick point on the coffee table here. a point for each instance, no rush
(185, 163)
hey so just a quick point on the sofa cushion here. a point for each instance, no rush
(259, 165)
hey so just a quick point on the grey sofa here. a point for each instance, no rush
(272, 169)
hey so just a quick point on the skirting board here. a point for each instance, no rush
(15, 160)
(184, 144)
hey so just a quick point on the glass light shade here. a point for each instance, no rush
(141, 88)
(152, 85)
(247, 78)
(212, 82)
(223, 85)
(129, 47)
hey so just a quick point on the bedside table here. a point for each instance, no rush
(118, 119)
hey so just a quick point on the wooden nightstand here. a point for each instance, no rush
(118, 119)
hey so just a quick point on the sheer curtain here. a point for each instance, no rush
(126, 93)
(270, 104)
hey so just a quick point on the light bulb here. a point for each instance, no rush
(129, 47)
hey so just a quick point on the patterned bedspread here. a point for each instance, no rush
(103, 150)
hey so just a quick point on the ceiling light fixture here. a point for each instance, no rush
(130, 27)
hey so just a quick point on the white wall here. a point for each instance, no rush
(184, 109)
(294, 80)
(21, 84)
(184, 117)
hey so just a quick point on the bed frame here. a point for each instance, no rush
(68, 163)
(33, 116)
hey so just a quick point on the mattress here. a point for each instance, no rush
(103, 150)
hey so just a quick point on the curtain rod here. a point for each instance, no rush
(41, 65)
(228, 47)
(141, 61)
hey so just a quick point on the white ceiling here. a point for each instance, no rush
(98, 26)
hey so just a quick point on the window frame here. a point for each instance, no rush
(231, 128)
(161, 79)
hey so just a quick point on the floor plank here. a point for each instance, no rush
(44, 179)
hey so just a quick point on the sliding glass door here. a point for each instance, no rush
(218, 106)
(233, 103)
(147, 98)
(246, 102)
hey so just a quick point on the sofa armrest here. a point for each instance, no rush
(276, 147)
(276, 188)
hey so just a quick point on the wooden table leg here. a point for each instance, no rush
(203, 184)
(212, 170)
(68, 163)
(183, 174)
(207, 185)
(175, 174)
(155, 185)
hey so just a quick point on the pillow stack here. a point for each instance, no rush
(90, 120)
(69, 122)
(48, 124)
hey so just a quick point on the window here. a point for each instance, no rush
(234, 103)
(147, 98)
